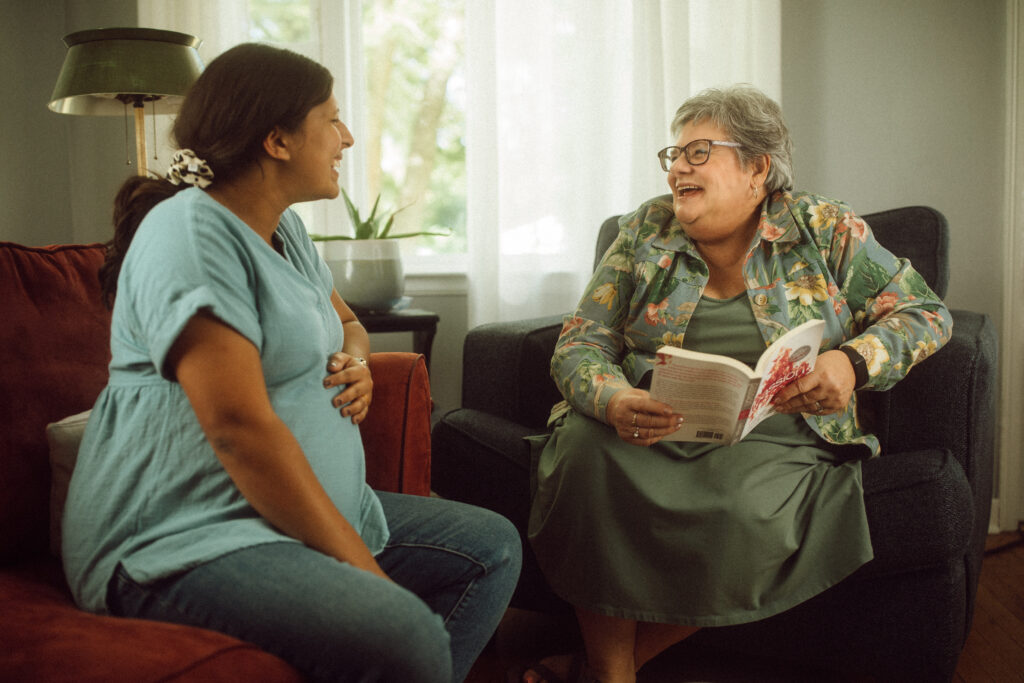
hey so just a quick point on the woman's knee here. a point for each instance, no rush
(427, 650)
(485, 536)
(500, 545)
(409, 643)
(420, 650)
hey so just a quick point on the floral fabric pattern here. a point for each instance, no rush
(812, 258)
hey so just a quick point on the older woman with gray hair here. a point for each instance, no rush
(649, 539)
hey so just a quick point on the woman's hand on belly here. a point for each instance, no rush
(353, 374)
(221, 373)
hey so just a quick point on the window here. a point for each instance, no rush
(283, 22)
(413, 138)
(416, 118)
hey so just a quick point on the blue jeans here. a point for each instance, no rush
(454, 568)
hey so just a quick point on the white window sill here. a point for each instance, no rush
(444, 274)
(436, 284)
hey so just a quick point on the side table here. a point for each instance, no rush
(422, 324)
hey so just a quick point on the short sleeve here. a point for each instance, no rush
(188, 256)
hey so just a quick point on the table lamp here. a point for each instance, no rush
(105, 70)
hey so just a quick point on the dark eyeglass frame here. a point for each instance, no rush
(668, 156)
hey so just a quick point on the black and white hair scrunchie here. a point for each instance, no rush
(187, 168)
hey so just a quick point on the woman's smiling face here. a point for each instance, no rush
(715, 199)
(320, 142)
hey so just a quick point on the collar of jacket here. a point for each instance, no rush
(779, 223)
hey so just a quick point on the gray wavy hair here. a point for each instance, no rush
(750, 118)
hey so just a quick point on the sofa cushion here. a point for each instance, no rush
(922, 500)
(46, 638)
(64, 438)
(525, 348)
(54, 353)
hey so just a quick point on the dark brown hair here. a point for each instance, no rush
(238, 99)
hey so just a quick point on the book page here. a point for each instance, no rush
(709, 394)
(791, 357)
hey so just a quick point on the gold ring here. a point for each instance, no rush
(634, 419)
(818, 408)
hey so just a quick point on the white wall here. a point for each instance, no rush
(899, 102)
(59, 172)
(32, 139)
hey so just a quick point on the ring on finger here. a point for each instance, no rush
(818, 408)
(636, 432)
(633, 423)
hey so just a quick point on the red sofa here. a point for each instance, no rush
(54, 354)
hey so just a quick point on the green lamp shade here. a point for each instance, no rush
(104, 69)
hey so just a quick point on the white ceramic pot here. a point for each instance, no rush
(367, 273)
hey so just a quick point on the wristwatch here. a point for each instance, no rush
(860, 366)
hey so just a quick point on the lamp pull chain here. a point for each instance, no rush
(127, 138)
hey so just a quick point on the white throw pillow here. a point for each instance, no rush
(64, 438)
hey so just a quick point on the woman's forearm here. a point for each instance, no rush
(220, 372)
(357, 340)
(267, 464)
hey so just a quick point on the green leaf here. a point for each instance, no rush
(422, 233)
(370, 228)
(353, 212)
(329, 238)
(387, 226)
(373, 213)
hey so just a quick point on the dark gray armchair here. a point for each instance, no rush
(903, 616)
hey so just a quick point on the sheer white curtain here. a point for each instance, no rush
(336, 43)
(568, 103)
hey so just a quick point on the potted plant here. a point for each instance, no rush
(367, 266)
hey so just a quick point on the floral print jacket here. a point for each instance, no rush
(812, 258)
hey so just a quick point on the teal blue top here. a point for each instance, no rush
(148, 491)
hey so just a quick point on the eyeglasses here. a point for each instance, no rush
(696, 152)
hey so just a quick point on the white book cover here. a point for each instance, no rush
(721, 398)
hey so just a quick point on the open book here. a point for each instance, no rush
(721, 398)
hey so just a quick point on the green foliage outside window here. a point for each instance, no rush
(415, 99)
(416, 154)
(280, 21)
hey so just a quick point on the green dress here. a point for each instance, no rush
(694, 533)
